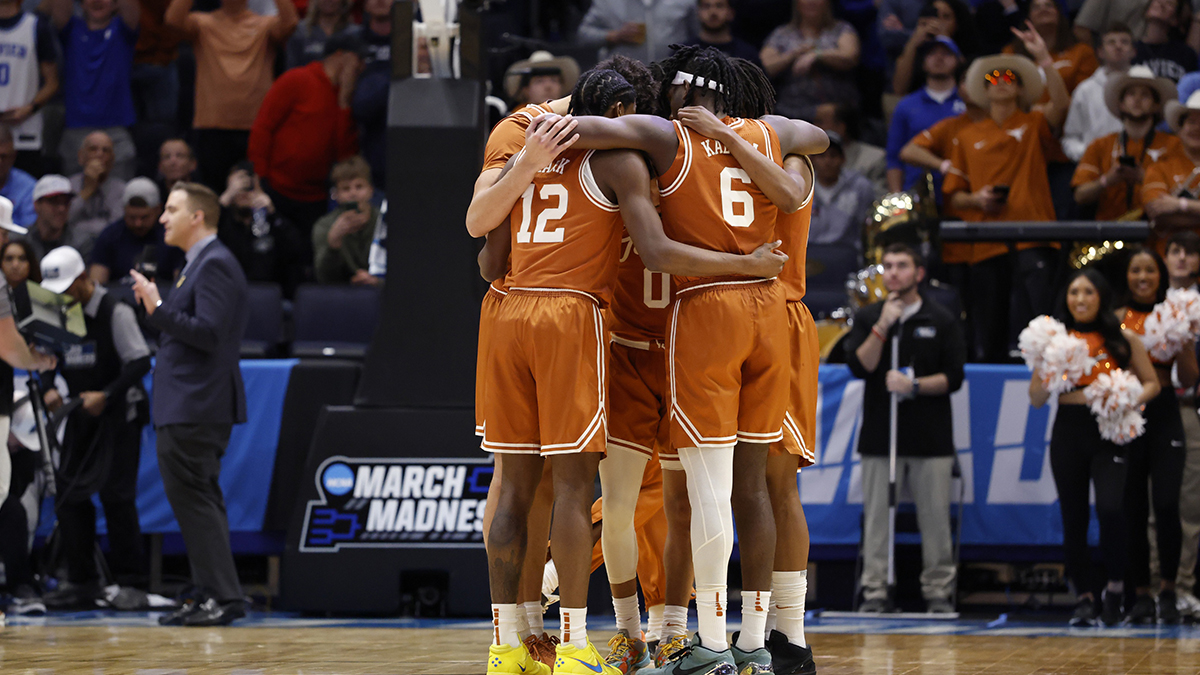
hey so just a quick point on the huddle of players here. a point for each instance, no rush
(712, 369)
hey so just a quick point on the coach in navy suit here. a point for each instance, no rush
(198, 394)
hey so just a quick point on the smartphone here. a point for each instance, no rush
(1127, 160)
(1001, 192)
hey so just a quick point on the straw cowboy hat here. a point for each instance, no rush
(1176, 110)
(1031, 78)
(541, 63)
(1115, 88)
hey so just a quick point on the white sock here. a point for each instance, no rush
(710, 488)
(654, 623)
(629, 617)
(788, 590)
(574, 626)
(533, 617)
(522, 623)
(504, 625)
(674, 622)
(773, 613)
(755, 605)
(549, 579)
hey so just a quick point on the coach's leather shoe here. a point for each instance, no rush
(788, 658)
(213, 613)
(176, 618)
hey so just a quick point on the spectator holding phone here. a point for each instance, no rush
(1109, 176)
(998, 173)
(342, 239)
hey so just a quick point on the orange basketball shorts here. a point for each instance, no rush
(488, 309)
(546, 375)
(728, 364)
(800, 420)
(637, 399)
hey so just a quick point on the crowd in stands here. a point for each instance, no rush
(105, 104)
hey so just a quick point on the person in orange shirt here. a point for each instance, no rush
(1109, 175)
(998, 173)
(1172, 184)
(1074, 60)
(930, 150)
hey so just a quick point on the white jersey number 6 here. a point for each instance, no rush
(729, 197)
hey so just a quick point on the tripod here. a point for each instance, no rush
(46, 426)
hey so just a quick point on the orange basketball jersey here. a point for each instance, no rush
(709, 201)
(638, 315)
(565, 233)
(791, 229)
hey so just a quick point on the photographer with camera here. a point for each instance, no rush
(998, 173)
(1172, 185)
(266, 244)
(101, 444)
(1110, 173)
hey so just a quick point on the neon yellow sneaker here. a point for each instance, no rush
(506, 660)
(570, 660)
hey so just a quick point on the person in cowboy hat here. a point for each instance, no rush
(1172, 184)
(1109, 175)
(998, 172)
(541, 77)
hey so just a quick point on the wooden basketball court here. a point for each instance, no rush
(133, 644)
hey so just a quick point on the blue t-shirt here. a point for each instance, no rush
(96, 71)
(19, 190)
(118, 249)
(915, 113)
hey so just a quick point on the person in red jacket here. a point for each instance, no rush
(303, 128)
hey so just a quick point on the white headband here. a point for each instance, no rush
(681, 77)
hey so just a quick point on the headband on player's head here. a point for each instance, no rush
(682, 77)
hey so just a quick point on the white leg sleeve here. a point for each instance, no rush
(620, 483)
(710, 488)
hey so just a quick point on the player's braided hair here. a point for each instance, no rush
(598, 89)
(706, 62)
(638, 74)
(759, 93)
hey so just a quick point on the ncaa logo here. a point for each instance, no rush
(338, 479)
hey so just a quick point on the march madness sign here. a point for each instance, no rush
(395, 503)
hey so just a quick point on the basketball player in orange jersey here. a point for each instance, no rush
(548, 357)
(790, 654)
(490, 206)
(506, 140)
(727, 340)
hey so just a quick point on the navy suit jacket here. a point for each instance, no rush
(197, 377)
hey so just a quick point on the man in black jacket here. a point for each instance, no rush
(102, 441)
(198, 394)
(932, 351)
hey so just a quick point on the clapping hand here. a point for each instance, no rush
(145, 292)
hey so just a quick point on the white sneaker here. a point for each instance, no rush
(1188, 604)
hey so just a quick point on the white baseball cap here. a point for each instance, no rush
(6, 221)
(60, 268)
(143, 188)
(52, 184)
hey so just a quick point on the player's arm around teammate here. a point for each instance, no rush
(626, 174)
(491, 204)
